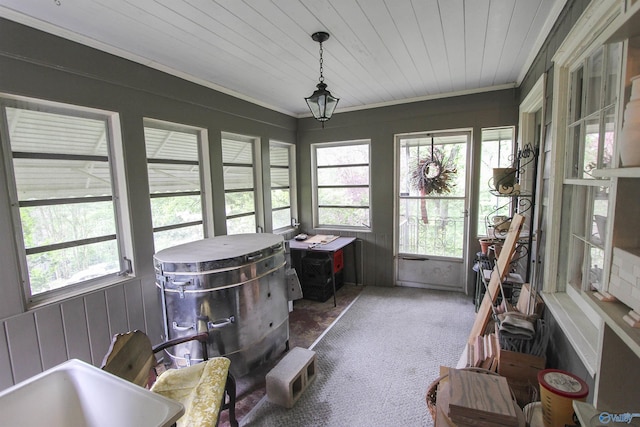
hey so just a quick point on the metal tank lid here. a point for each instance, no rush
(218, 248)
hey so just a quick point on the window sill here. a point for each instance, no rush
(66, 294)
(579, 328)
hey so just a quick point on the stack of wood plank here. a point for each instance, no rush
(481, 399)
(483, 352)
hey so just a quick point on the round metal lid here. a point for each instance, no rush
(218, 248)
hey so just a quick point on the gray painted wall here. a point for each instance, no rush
(489, 109)
(38, 65)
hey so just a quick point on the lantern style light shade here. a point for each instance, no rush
(322, 103)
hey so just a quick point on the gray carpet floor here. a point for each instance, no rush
(377, 361)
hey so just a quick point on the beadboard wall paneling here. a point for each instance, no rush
(6, 377)
(24, 351)
(79, 328)
(76, 332)
(51, 336)
(116, 305)
(98, 325)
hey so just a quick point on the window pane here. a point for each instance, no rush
(238, 177)
(60, 268)
(279, 177)
(595, 268)
(280, 158)
(351, 217)
(416, 158)
(46, 225)
(433, 226)
(237, 152)
(600, 197)
(342, 155)
(175, 210)
(614, 52)
(609, 137)
(350, 175)
(591, 144)
(244, 224)
(170, 144)
(279, 155)
(239, 203)
(575, 103)
(42, 132)
(172, 178)
(496, 152)
(176, 236)
(594, 84)
(281, 218)
(280, 199)
(576, 262)
(73, 178)
(574, 157)
(343, 196)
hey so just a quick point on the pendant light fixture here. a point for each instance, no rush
(321, 102)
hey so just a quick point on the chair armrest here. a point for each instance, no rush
(202, 337)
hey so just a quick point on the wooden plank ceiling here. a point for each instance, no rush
(380, 52)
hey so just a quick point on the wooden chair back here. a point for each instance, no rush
(130, 357)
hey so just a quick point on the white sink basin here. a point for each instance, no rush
(77, 394)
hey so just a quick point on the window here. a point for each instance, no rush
(341, 184)
(590, 141)
(173, 164)
(241, 172)
(496, 152)
(282, 174)
(62, 178)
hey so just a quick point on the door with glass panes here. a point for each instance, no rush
(431, 209)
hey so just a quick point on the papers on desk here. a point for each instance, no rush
(321, 239)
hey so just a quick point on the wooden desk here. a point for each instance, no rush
(329, 249)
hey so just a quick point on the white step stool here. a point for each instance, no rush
(291, 376)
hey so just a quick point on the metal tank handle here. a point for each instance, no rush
(221, 323)
(181, 285)
(177, 327)
(212, 324)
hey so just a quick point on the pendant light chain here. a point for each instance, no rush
(321, 62)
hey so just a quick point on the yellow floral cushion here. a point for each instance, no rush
(200, 388)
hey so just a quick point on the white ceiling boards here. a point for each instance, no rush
(380, 51)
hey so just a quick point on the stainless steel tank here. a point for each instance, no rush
(232, 286)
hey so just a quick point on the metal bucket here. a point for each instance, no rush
(232, 286)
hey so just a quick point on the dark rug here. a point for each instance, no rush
(307, 322)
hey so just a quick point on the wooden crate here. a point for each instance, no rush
(521, 371)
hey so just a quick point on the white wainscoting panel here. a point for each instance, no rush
(98, 324)
(6, 376)
(78, 328)
(51, 336)
(24, 350)
(76, 332)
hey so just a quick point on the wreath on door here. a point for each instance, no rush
(433, 174)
